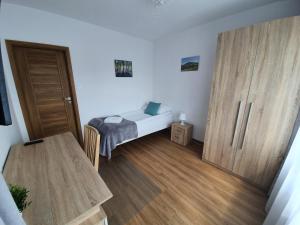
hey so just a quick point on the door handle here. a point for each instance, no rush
(68, 99)
(235, 123)
(247, 120)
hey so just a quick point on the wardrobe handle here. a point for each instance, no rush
(235, 123)
(244, 133)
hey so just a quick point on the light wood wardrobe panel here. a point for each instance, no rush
(231, 81)
(273, 102)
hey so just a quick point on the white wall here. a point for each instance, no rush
(8, 135)
(189, 91)
(93, 50)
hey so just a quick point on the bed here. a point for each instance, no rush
(145, 124)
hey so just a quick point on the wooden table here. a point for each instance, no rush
(64, 186)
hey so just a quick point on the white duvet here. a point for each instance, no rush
(147, 124)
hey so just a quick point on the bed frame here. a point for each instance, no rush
(92, 145)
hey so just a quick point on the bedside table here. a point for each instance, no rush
(181, 134)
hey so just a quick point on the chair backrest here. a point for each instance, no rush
(92, 144)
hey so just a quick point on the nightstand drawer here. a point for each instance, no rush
(178, 138)
(178, 131)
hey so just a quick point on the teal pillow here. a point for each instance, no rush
(152, 108)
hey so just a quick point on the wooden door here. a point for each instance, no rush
(45, 86)
(231, 81)
(273, 102)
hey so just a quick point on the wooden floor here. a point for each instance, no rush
(159, 182)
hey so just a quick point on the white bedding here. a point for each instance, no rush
(147, 124)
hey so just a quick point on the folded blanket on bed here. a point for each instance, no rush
(113, 134)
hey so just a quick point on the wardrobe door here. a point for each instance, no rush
(231, 81)
(273, 102)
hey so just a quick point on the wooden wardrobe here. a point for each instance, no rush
(255, 98)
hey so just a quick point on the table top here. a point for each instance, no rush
(62, 182)
(185, 125)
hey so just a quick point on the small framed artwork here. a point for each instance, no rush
(123, 68)
(190, 63)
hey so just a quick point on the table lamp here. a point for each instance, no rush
(182, 118)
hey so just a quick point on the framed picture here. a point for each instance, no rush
(190, 63)
(123, 68)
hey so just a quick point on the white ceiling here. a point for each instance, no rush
(142, 18)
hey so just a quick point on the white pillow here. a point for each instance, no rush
(164, 109)
(113, 119)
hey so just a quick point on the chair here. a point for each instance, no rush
(92, 145)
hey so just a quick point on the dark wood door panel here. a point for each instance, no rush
(44, 81)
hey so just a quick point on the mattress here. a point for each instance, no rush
(147, 124)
